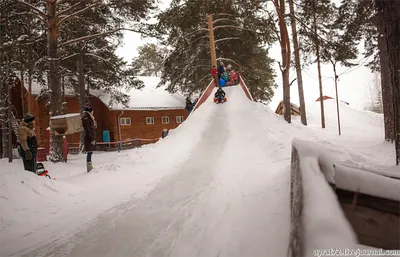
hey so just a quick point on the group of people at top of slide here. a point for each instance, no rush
(224, 76)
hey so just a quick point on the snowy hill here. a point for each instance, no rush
(217, 185)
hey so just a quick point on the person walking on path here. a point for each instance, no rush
(89, 139)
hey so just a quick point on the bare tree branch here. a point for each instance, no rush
(227, 26)
(225, 14)
(69, 56)
(230, 60)
(226, 38)
(99, 35)
(99, 57)
(65, 11)
(206, 76)
(34, 8)
(76, 13)
(193, 32)
(224, 19)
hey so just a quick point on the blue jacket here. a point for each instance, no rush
(221, 69)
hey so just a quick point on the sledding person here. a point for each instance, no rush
(89, 139)
(28, 142)
(219, 96)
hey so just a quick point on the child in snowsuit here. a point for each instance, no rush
(89, 139)
(28, 142)
(219, 96)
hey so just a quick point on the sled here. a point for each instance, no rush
(217, 102)
(41, 171)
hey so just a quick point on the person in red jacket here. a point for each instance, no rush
(214, 73)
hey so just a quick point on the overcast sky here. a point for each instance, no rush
(353, 86)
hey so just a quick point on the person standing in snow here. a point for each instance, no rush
(221, 70)
(214, 74)
(89, 139)
(189, 105)
(164, 133)
(27, 147)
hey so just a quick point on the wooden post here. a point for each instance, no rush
(337, 97)
(212, 41)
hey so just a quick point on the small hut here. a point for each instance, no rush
(295, 110)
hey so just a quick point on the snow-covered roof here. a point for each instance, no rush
(148, 98)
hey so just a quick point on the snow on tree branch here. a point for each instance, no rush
(34, 8)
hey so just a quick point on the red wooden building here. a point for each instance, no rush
(149, 111)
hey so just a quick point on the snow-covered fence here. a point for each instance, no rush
(335, 206)
(245, 88)
(207, 92)
(371, 201)
(317, 221)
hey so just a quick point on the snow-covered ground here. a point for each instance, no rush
(218, 185)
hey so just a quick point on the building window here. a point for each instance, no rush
(125, 121)
(165, 120)
(149, 120)
(179, 119)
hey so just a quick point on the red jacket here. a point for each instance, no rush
(214, 71)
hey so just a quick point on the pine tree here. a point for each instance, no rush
(150, 61)
(239, 35)
(54, 15)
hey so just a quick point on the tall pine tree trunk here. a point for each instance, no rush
(22, 81)
(82, 93)
(30, 71)
(391, 21)
(285, 53)
(56, 142)
(321, 95)
(296, 50)
(386, 85)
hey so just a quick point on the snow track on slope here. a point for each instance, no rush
(151, 224)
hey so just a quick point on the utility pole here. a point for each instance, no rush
(337, 97)
(212, 41)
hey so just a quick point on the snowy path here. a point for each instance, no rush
(225, 200)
